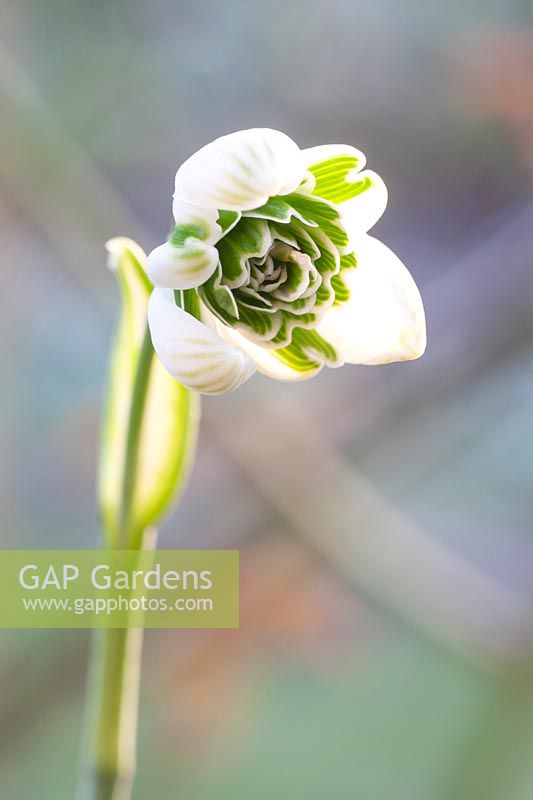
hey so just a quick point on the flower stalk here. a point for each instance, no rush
(149, 438)
(115, 674)
(113, 699)
(127, 537)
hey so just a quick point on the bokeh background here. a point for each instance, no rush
(384, 514)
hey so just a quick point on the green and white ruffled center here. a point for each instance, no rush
(278, 273)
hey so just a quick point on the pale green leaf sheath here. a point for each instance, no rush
(150, 421)
(270, 267)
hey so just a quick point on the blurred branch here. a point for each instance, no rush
(333, 507)
(56, 183)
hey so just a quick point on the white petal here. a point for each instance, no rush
(191, 352)
(189, 258)
(241, 171)
(323, 152)
(361, 212)
(383, 321)
(171, 267)
(265, 360)
(196, 222)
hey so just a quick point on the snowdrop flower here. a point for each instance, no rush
(270, 267)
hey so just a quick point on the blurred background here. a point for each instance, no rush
(384, 514)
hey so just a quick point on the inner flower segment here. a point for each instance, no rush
(280, 270)
(284, 273)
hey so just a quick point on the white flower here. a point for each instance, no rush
(270, 267)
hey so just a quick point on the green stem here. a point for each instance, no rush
(113, 702)
(114, 681)
(127, 537)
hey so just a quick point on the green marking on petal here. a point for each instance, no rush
(194, 258)
(277, 209)
(302, 236)
(315, 346)
(323, 213)
(252, 299)
(250, 238)
(226, 301)
(263, 326)
(182, 233)
(333, 181)
(227, 220)
(289, 322)
(295, 358)
(219, 298)
(348, 260)
(307, 351)
(342, 293)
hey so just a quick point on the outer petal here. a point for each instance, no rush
(265, 361)
(383, 321)
(189, 258)
(241, 171)
(191, 352)
(361, 212)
